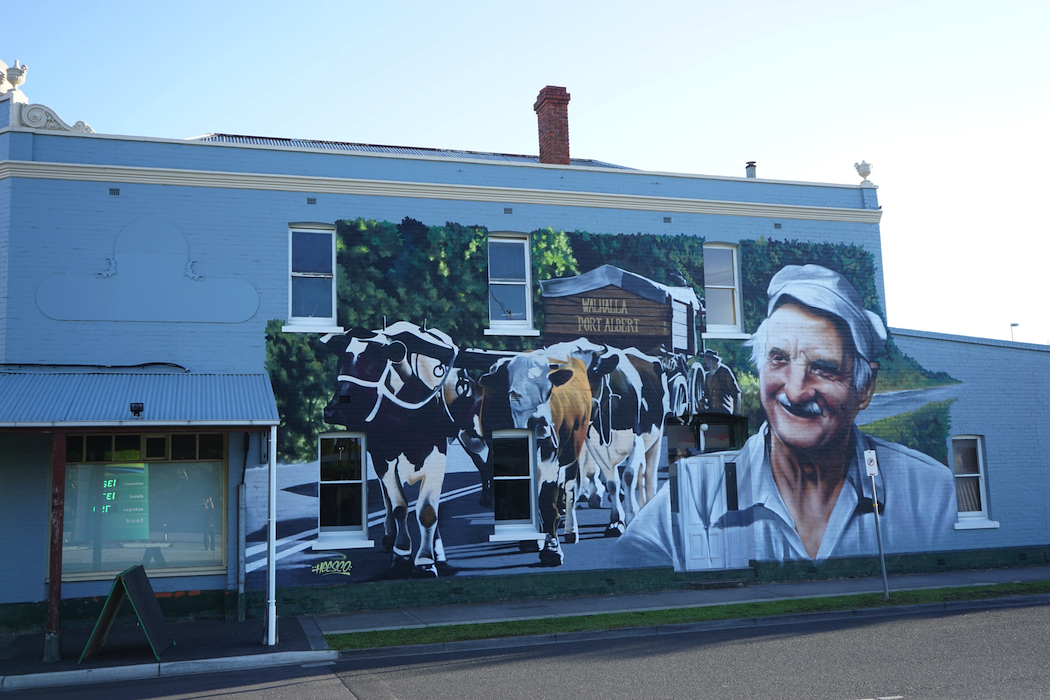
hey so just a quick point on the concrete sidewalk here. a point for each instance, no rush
(206, 647)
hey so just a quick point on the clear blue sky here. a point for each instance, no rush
(948, 100)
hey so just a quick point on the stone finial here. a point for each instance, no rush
(15, 75)
(863, 169)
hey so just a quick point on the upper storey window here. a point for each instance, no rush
(722, 289)
(312, 280)
(510, 284)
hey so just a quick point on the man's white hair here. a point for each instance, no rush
(862, 373)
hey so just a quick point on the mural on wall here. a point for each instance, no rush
(598, 403)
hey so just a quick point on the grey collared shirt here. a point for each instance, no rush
(917, 494)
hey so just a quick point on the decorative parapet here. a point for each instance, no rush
(43, 117)
(20, 113)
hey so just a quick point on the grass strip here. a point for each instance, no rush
(605, 621)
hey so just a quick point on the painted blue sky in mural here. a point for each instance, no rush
(946, 99)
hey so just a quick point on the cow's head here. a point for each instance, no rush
(365, 365)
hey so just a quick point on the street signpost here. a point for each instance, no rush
(871, 463)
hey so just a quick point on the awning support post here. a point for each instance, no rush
(52, 630)
(271, 546)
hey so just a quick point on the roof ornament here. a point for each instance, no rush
(864, 169)
(43, 117)
(27, 115)
(13, 76)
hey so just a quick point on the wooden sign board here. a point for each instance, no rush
(608, 315)
(134, 585)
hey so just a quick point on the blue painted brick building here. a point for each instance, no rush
(472, 367)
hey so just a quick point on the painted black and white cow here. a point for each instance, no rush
(548, 394)
(401, 386)
(630, 404)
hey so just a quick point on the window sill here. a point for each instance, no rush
(517, 533)
(523, 332)
(726, 335)
(977, 524)
(323, 328)
(341, 540)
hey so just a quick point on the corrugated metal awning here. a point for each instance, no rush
(59, 399)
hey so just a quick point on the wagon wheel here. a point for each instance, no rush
(680, 406)
(696, 389)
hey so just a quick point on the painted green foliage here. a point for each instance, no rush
(925, 430)
(437, 276)
(301, 372)
(433, 276)
(677, 261)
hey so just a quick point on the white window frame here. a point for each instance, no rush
(520, 530)
(344, 537)
(523, 327)
(728, 331)
(311, 324)
(977, 519)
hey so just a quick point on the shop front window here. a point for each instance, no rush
(155, 500)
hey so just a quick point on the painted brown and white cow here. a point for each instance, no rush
(400, 386)
(630, 404)
(548, 394)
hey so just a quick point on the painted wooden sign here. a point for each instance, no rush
(607, 313)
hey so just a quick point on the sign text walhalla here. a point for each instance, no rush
(600, 315)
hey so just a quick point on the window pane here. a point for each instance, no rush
(340, 505)
(127, 448)
(718, 437)
(74, 448)
(184, 446)
(507, 302)
(99, 448)
(312, 252)
(157, 447)
(965, 457)
(512, 499)
(160, 515)
(507, 261)
(341, 459)
(721, 307)
(968, 493)
(312, 297)
(210, 446)
(680, 437)
(718, 267)
(510, 456)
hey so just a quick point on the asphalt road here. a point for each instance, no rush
(1000, 653)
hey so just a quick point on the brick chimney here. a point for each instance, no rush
(552, 112)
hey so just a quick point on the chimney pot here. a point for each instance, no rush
(552, 113)
(751, 171)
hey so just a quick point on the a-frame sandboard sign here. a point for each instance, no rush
(134, 585)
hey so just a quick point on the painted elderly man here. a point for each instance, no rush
(810, 497)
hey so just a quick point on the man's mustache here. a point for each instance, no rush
(808, 409)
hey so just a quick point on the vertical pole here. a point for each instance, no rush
(271, 547)
(878, 536)
(241, 533)
(52, 630)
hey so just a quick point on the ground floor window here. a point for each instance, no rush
(156, 500)
(514, 485)
(342, 519)
(971, 492)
